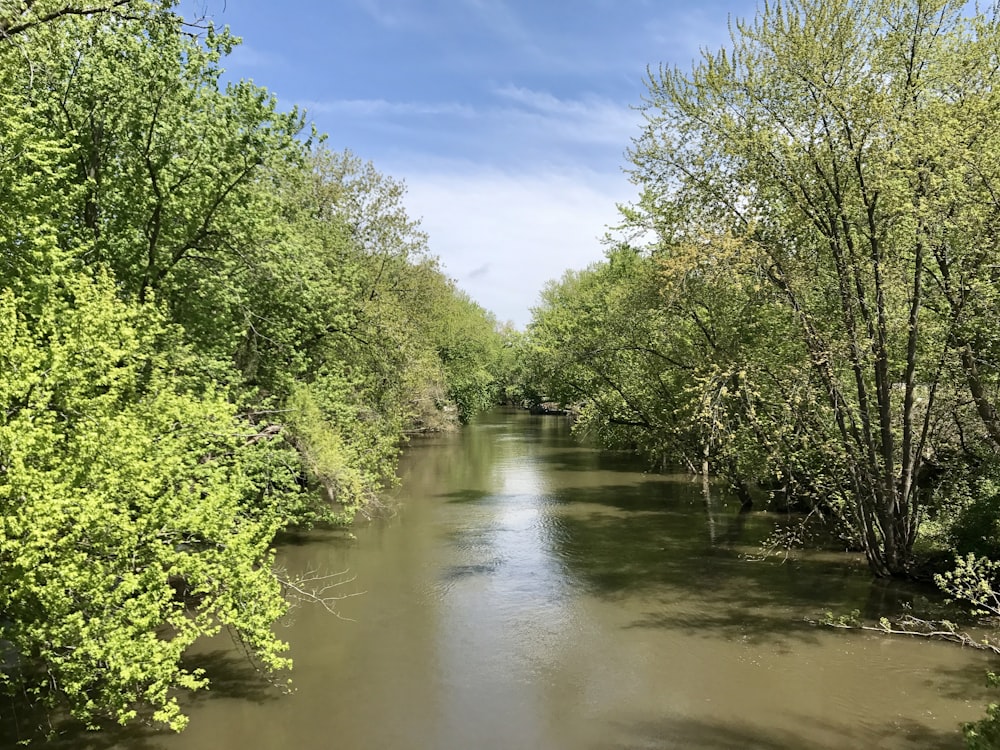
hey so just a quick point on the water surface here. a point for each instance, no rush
(529, 592)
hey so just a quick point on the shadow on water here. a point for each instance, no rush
(458, 572)
(778, 631)
(467, 496)
(660, 495)
(320, 532)
(657, 540)
(966, 682)
(583, 459)
(231, 676)
(694, 734)
(22, 723)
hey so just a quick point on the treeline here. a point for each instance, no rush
(212, 328)
(805, 297)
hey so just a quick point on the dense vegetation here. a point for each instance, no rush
(212, 328)
(806, 304)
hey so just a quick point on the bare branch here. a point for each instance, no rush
(313, 587)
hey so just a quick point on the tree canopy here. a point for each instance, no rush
(815, 288)
(212, 328)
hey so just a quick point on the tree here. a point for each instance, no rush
(843, 148)
(169, 160)
(25, 15)
(203, 321)
(132, 508)
(602, 340)
(660, 351)
(136, 515)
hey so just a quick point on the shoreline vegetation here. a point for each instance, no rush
(215, 330)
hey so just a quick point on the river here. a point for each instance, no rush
(529, 592)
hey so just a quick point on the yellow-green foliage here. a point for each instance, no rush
(125, 533)
(331, 459)
(203, 319)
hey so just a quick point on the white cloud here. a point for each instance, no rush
(589, 119)
(520, 125)
(685, 34)
(503, 235)
(246, 56)
(497, 16)
(385, 108)
(391, 14)
(528, 190)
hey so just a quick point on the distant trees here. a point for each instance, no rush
(211, 328)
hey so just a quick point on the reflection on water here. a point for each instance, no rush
(532, 593)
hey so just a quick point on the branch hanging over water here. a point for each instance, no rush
(312, 587)
(909, 625)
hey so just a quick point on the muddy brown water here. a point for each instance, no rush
(530, 592)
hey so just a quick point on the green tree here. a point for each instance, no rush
(169, 160)
(413, 338)
(131, 508)
(661, 352)
(468, 345)
(829, 146)
(601, 340)
(209, 332)
(133, 502)
(23, 15)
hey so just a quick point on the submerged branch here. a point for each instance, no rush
(913, 626)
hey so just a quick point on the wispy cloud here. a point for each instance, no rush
(590, 119)
(503, 235)
(515, 124)
(497, 16)
(383, 108)
(246, 56)
(685, 34)
(510, 207)
(392, 14)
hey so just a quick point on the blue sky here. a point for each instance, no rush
(507, 119)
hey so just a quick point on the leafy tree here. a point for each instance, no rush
(412, 336)
(168, 159)
(137, 515)
(132, 507)
(985, 733)
(468, 345)
(209, 332)
(828, 147)
(659, 352)
(23, 15)
(601, 339)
